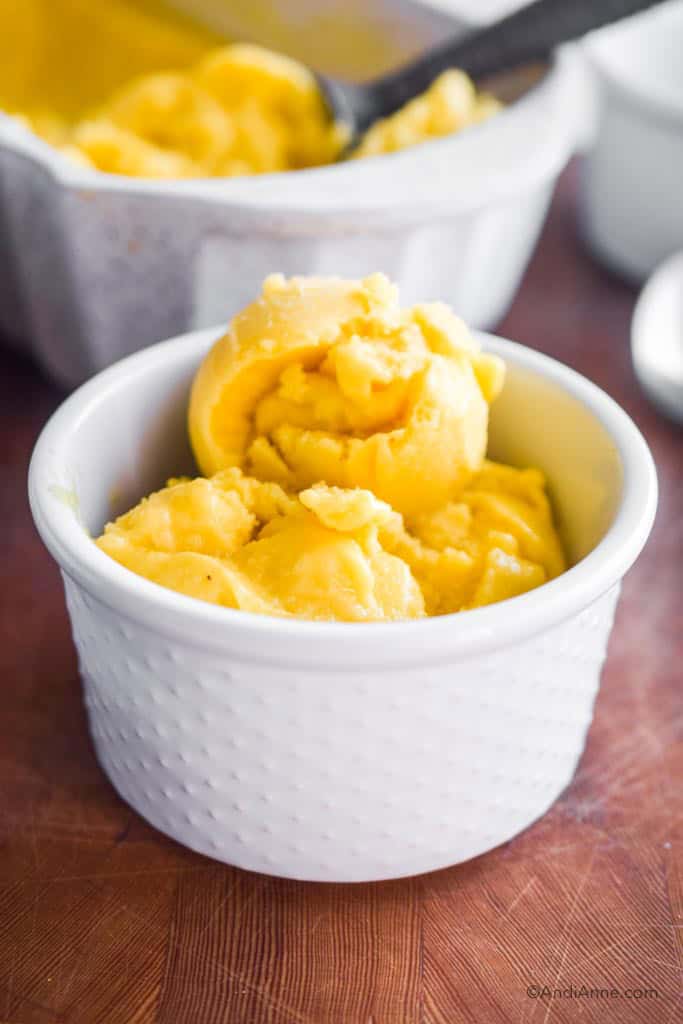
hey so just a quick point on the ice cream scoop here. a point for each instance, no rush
(526, 35)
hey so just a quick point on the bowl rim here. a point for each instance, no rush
(339, 645)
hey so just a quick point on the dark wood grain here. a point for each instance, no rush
(104, 921)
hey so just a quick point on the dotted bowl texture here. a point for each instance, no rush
(331, 776)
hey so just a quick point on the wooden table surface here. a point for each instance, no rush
(104, 921)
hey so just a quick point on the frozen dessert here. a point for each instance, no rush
(129, 88)
(450, 104)
(241, 110)
(327, 379)
(246, 544)
(342, 440)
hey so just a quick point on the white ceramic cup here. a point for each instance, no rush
(633, 174)
(339, 752)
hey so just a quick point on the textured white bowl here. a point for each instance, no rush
(633, 175)
(457, 219)
(337, 751)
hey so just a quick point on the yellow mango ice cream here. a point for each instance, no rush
(241, 110)
(451, 104)
(129, 87)
(342, 441)
(326, 379)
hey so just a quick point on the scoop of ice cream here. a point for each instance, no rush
(245, 544)
(330, 380)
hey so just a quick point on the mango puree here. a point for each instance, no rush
(342, 441)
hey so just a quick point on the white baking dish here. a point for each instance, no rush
(339, 752)
(93, 266)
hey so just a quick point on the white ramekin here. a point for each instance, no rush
(457, 219)
(633, 175)
(339, 751)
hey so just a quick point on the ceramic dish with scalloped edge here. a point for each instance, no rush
(456, 218)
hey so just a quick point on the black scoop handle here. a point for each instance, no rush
(528, 34)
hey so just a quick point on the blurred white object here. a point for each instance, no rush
(633, 177)
(478, 12)
(339, 751)
(657, 338)
(94, 266)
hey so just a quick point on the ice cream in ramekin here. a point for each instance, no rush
(343, 443)
(339, 751)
